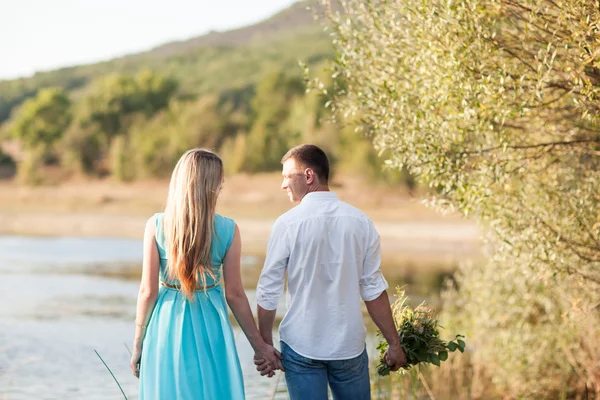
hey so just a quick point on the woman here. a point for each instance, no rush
(184, 347)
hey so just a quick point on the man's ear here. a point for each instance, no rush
(310, 176)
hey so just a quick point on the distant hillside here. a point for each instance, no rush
(290, 19)
(217, 61)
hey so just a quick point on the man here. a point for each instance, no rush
(331, 253)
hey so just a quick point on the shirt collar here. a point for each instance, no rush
(319, 196)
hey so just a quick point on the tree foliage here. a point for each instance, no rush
(267, 142)
(241, 95)
(137, 126)
(40, 121)
(496, 104)
(111, 107)
(116, 97)
(201, 69)
(38, 125)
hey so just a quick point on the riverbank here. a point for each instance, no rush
(412, 235)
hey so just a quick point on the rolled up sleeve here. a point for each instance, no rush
(271, 281)
(372, 283)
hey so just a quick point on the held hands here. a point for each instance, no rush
(395, 357)
(267, 359)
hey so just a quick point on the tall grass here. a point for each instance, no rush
(455, 379)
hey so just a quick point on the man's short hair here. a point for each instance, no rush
(310, 156)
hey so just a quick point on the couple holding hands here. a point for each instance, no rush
(184, 346)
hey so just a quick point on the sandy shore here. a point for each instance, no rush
(108, 208)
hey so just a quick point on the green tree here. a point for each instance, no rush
(81, 148)
(233, 152)
(41, 121)
(110, 109)
(116, 97)
(157, 144)
(121, 159)
(266, 141)
(495, 104)
(39, 124)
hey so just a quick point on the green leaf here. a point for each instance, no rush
(383, 370)
(461, 345)
(443, 355)
(423, 356)
(451, 346)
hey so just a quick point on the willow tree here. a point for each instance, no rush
(495, 104)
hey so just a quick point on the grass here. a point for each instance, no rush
(111, 373)
(455, 379)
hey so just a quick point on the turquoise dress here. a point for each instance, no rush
(189, 349)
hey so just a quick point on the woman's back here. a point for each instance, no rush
(222, 236)
(189, 349)
(183, 347)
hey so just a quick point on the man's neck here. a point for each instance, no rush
(318, 188)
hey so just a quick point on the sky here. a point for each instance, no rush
(41, 35)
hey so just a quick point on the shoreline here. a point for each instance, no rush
(409, 231)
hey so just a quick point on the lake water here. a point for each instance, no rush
(57, 306)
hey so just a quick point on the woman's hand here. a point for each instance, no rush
(136, 357)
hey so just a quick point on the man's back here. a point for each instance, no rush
(331, 252)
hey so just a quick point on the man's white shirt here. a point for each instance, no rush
(332, 255)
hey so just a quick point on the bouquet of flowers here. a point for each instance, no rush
(419, 335)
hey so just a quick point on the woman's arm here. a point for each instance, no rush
(147, 294)
(238, 302)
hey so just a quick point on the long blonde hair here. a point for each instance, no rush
(189, 218)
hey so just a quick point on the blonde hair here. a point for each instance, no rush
(190, 216)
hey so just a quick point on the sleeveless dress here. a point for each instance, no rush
(189, 349)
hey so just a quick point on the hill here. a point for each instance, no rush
(291, 19)
(213, 62)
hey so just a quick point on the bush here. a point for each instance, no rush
(495, 104)
(121, 159)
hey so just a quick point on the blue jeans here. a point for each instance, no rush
(307, 378)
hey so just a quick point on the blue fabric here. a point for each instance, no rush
(189, 349)
(307, 378)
